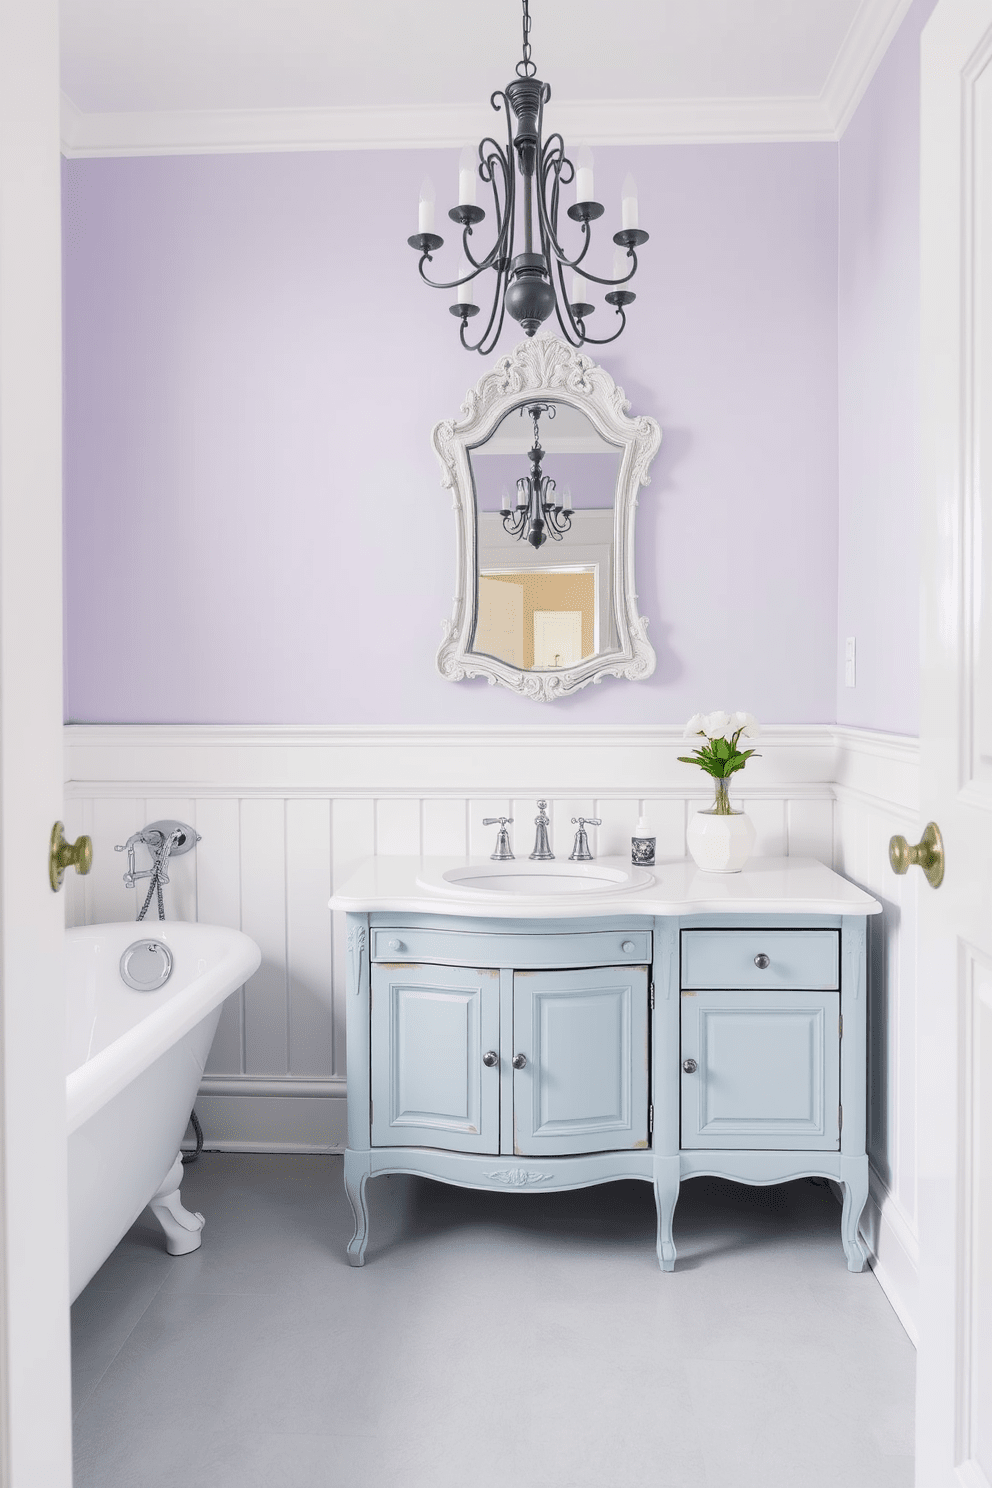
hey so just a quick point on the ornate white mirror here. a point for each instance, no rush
(545, 467)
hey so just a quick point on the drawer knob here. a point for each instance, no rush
(761, 961)
(628, 947)
(690, 1066)
(519, 1061)
(395, 945)
(490, 1059)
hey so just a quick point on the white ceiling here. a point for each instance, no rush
(141, 76)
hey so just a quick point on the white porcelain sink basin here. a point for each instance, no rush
(524, 879)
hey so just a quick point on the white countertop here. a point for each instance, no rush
(800, 886)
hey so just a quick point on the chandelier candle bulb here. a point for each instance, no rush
(621, 263)
(425, 216)
(466, 292)
(629, 202)
(580, 290)
(467, 178)
(504, 501)
(583, 174)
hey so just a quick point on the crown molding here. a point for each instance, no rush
(872, 31)
(643, 121)
(600, 122)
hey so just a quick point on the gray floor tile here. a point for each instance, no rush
(518, 1341)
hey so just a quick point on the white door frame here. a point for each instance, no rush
(35, 1412)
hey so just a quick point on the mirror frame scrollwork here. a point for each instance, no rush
(547, 368)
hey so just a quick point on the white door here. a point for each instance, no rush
(954, 1389)
(557, 638)
(34, 1281)
(499, 629)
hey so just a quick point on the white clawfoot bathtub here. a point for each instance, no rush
(135, 1061)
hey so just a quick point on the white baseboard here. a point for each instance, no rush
(267, 1123)
(893, 1254)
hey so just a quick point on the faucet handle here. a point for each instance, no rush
(503, 853)
(580, 852)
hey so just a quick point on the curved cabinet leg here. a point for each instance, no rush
(666, 1196)
(357, 1171)
(854, 1177)
(182, 1228)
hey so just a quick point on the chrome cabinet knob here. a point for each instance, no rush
(490, 1059)
(395, 945)
(690, 1066)
(519, 1061)
(628, 947)
(762, 962)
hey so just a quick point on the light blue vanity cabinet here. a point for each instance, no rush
(447, 1058)
(535, 1053)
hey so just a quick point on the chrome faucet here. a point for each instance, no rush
(542, 847)
(580, 852)
(162, 839)
(502, 853)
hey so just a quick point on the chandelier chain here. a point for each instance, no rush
(525, 67)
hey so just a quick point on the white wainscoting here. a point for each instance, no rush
(285, 813)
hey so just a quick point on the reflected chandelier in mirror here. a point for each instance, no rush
(545, 450)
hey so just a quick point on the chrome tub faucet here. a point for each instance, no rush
(542, 847)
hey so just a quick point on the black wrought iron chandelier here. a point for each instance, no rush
(530, 283)
(539, 512)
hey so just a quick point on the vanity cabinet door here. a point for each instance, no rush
(584, 1036)
(760, 1070)
(431, 1027)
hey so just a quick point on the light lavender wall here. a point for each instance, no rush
(255, 530)
(878, 349)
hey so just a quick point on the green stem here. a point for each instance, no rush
(721, 805)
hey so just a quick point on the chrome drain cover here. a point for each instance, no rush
(146, 965)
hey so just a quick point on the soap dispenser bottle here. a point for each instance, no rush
(642, 844)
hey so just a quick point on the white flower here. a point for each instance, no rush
(694, 726)
(746, 724)
(717, 725)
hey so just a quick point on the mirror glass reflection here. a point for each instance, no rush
(544, 483)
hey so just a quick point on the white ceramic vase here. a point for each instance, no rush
(720, 840)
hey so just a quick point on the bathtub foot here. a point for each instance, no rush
(182, 1228)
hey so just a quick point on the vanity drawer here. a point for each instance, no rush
(796, 959)
(523, 952)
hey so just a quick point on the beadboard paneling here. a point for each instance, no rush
(286, 814)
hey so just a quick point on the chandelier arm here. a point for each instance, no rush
(605, 340)
(453, 283)
(615, 283)
(488, 174)
(572, 332)
(550, 220)
(497, 307)
(482, 348)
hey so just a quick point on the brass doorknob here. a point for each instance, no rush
(63, 855)
(928, 854)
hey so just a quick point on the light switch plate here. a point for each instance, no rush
(850, 668)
